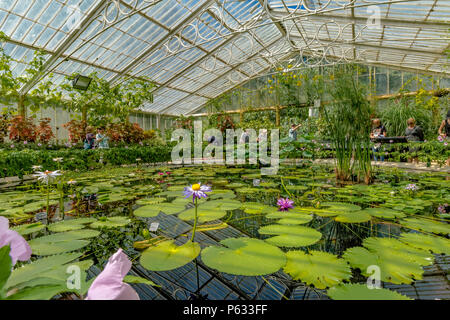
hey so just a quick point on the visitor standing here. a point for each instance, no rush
(444, 129)
(378, 131)
(101, 139)
(293, 132)
(90, 138)
(413, 132)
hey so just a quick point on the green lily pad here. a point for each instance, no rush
(168, 256)
(398, 262)
(203, 215)
(148, 201)
(340, 206)
(431, 243)
(426, 225)
(244, 256)
(318, 268)
(254, 207)
(290, 217)
(223, 204)
(26, 229)
(153, 210)
(291, 236)
(356, 291)
(384, 213)
(68, 225)
(353, 217)
(110, 222)
(61, 242)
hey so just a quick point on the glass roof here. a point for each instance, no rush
(195, 50)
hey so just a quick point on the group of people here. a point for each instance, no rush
(413, 132)
(93, 141)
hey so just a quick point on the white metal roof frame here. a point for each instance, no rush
(196, 50)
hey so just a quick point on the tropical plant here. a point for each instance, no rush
(22, 129)
(44, 131)
(349, 124)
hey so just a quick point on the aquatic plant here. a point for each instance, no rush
(20, 249)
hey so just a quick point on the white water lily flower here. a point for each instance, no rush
(46, 176)
(58, 159)
(71, 181)
(35, 168)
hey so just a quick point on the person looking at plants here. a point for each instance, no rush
(293, 132)
(444, 129)
(378, 130)
(90, 138)
(101, 139)
(413, 132)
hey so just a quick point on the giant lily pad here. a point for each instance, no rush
(203, 214)
(110, 222)
(384, 213)
(356, 291)
(353, 217)
(427, 242)
(61, 242)
(244, 256)
(291, 236)
(426, 225)
(148, 201)
(398, 262)
(26, 229)
(318, 268)
(290, 217)
(167, 255)
(72, 224)
(153, 210)
(224, 204)
(254, 207)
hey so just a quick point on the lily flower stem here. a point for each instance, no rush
(48, 199)
(195, 220)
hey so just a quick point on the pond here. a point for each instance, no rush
(332, 240)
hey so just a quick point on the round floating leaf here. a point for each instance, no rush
(254, 207)
(222, 194)
(356, 291)
(147, 201)
(398, 262)
(290, 217)
(353, 217)
(224, 205)
(204, 215)
(340, 206)
(384, 213)
(153, 210)
(110, 222)
(244, 256)
(431, 243)
(68, 225)
(167, 255)
(426, 225)
(26, 229)
(56, 243)
(321, 269)
(297, 188)
(291, 236)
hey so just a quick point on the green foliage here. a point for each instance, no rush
(19, 163)
(348, 119)
(102, 103)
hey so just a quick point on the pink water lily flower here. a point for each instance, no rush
(109, 283)
(20, 249)
(285, 204)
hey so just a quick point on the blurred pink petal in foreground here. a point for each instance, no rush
(109, 283)
(20, 249)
